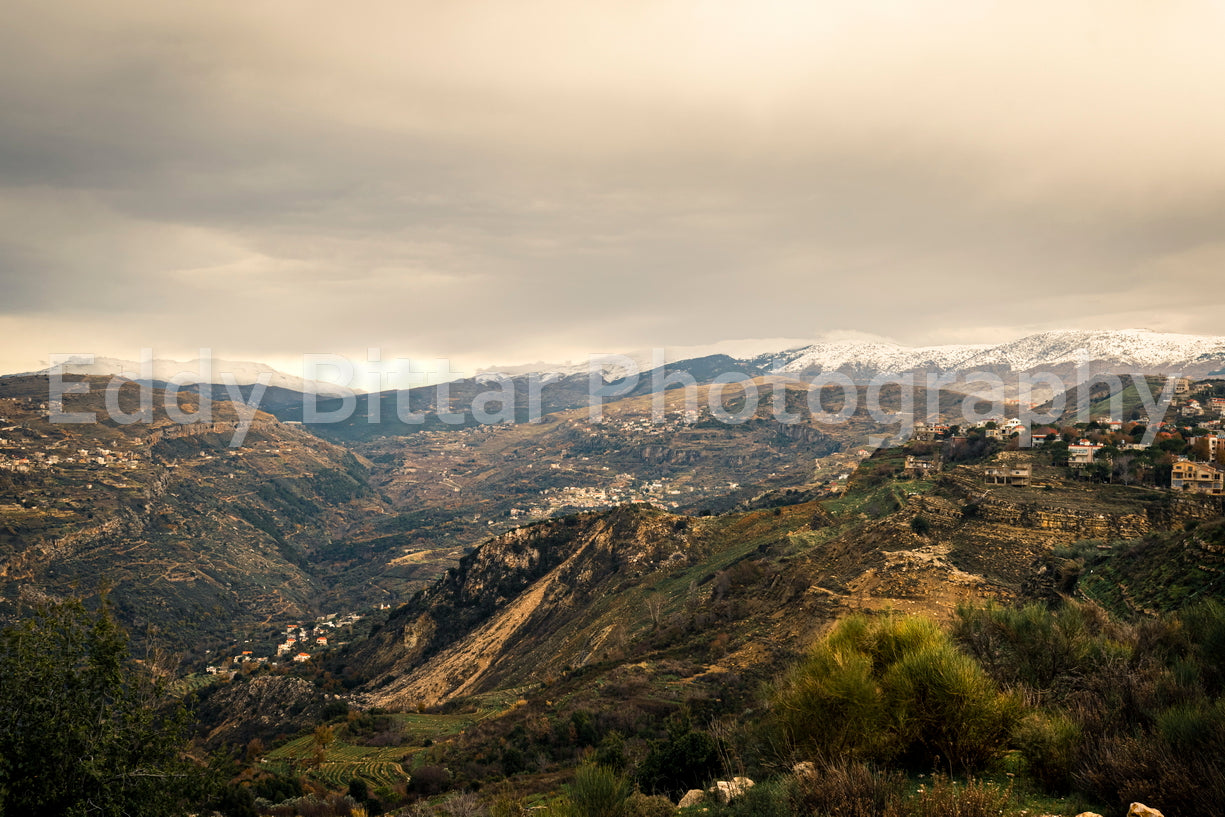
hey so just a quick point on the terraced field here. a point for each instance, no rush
(384, 765)
(380, 766)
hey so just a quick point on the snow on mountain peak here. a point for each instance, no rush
(1125, 348)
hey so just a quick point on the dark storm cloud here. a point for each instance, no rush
(509, 181)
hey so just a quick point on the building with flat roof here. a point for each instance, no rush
(1197, 477)
(1018, 476)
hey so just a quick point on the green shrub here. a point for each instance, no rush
(1204, 623)
(686, 759)
(893, 687)
(597, 791)
(944, 706)
(770, 799)
(1049, 742)
(1123, 712)
(84, 728)
(831, 704)
(1044, 651)
(646, 805)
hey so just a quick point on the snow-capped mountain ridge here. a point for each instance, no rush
(879, 357)
(1125, 349)
(1128, 347)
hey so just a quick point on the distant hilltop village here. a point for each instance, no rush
(1187, 454)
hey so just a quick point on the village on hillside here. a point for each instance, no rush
(1186, 454)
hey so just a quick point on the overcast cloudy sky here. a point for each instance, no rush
(507, 181)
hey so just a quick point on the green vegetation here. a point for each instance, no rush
(1121, 712)
(893, 689)
(1037, 703)
(83, 729)
(1158, 571)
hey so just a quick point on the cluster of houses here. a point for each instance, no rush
(1018, 475)
(1203, 477)
(25, 449)
(620, 491)
(16, 457)
(1198, 401)
(301, 637)
(300, 640)
(1195, 408)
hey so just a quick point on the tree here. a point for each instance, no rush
(323, 738)
(655, 607)
(84, 729)
(1123, 469)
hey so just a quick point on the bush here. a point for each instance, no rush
(1049, 742)
(1143, 701)
(687, 759)
(645, 805)
(429, 780)
(1044, 651)
(893, 687)
(770, 799)
(944, 706)
(830, 704)
(597, 791)
(83, 728)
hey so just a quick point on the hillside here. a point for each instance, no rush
(211, 543)
(598, 587)
(634, 635)
(195, 539)
(461, 485)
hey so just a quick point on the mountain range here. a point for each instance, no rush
(189, 373)
(1139, 350)
(554, 581)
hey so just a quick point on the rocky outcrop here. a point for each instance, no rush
(178, 431)
(522, 605)
(1082, 524)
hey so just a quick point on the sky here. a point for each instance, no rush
(511, 181)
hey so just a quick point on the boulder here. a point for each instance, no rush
(692, 798)
(1088, 814)
(1141, 810)
(728, 790)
